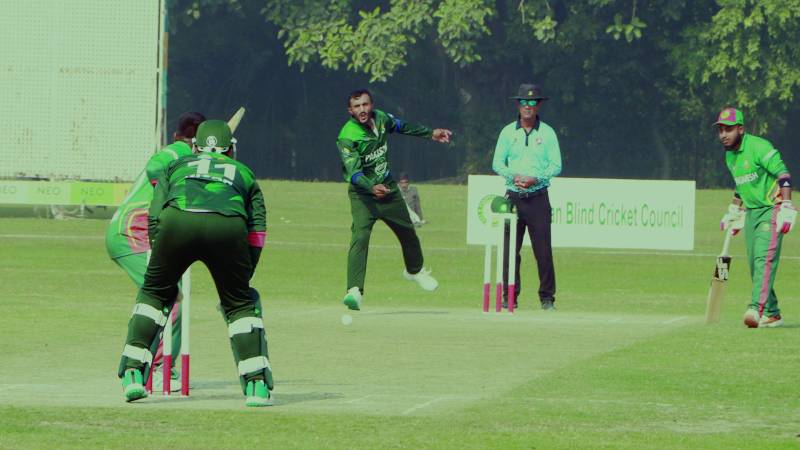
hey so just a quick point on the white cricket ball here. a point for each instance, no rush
(347, 319)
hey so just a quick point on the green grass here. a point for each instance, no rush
(625, 362)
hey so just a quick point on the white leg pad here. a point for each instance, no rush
(142, 355)
(157, 316)
(245, 325)
(253, 365)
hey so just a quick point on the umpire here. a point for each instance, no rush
(527, 156)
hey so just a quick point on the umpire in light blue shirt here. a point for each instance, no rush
(528, 157)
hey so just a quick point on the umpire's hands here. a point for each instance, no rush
(380, 191)
(524, 182)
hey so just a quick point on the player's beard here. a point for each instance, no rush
(358, 117)
(735, 144)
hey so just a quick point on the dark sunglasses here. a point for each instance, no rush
(524, 102)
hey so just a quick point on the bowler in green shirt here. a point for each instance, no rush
(373, 191)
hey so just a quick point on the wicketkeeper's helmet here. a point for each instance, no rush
(214, 136)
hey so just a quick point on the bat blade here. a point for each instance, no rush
(717, 289)
(233, 122)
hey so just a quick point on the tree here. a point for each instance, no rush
(634, 84)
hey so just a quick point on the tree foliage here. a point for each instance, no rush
(749, 48)
(634, 84)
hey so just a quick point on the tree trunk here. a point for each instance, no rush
(664, 171)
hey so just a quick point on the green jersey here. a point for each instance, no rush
(211, 182)
(755, 168)
(364, 150)
(127, 232)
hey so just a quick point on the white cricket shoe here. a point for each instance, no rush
(751, 318)
(770, 322)
(353, 299)
(423, 278)
(158, 380)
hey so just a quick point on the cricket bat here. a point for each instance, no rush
(233, 122)
(718, 281)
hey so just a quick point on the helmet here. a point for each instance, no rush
(214, 136)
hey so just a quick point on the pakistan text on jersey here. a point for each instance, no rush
(376, 154)
(210, 177)
(743, 179)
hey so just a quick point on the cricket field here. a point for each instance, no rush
(625, 362)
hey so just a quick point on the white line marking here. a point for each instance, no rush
(422, 405)
(327, 308)
(359, 399)
(676, 319)
(50, 236)
(465, 248)
(8, 387)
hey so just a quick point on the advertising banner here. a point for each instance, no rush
(598, 212)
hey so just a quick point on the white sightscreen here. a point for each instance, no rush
(78, 87)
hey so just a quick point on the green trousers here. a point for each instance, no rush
(220, 242)
(392, 210)
(763, 254)
(135, 266)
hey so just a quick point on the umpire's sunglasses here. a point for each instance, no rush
(524, 102)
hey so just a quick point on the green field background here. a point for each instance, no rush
(625, 362)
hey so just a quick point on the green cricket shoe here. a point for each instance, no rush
(258, 394)
(353, 299)
(133, 385)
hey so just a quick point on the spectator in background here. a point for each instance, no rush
(411, 197)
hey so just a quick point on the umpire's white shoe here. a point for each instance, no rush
(423, 278)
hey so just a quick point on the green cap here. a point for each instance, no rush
(213, 136)
(730, 116)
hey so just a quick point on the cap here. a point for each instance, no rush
(529, 92)
(213, 136)
(730, 116)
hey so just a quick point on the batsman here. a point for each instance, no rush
(762, 205)
(126, 235)
(206, 207)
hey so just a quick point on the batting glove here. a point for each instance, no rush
(786, 216)
(733, 219)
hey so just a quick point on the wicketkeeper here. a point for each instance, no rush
(762, 206)
(206, 207)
